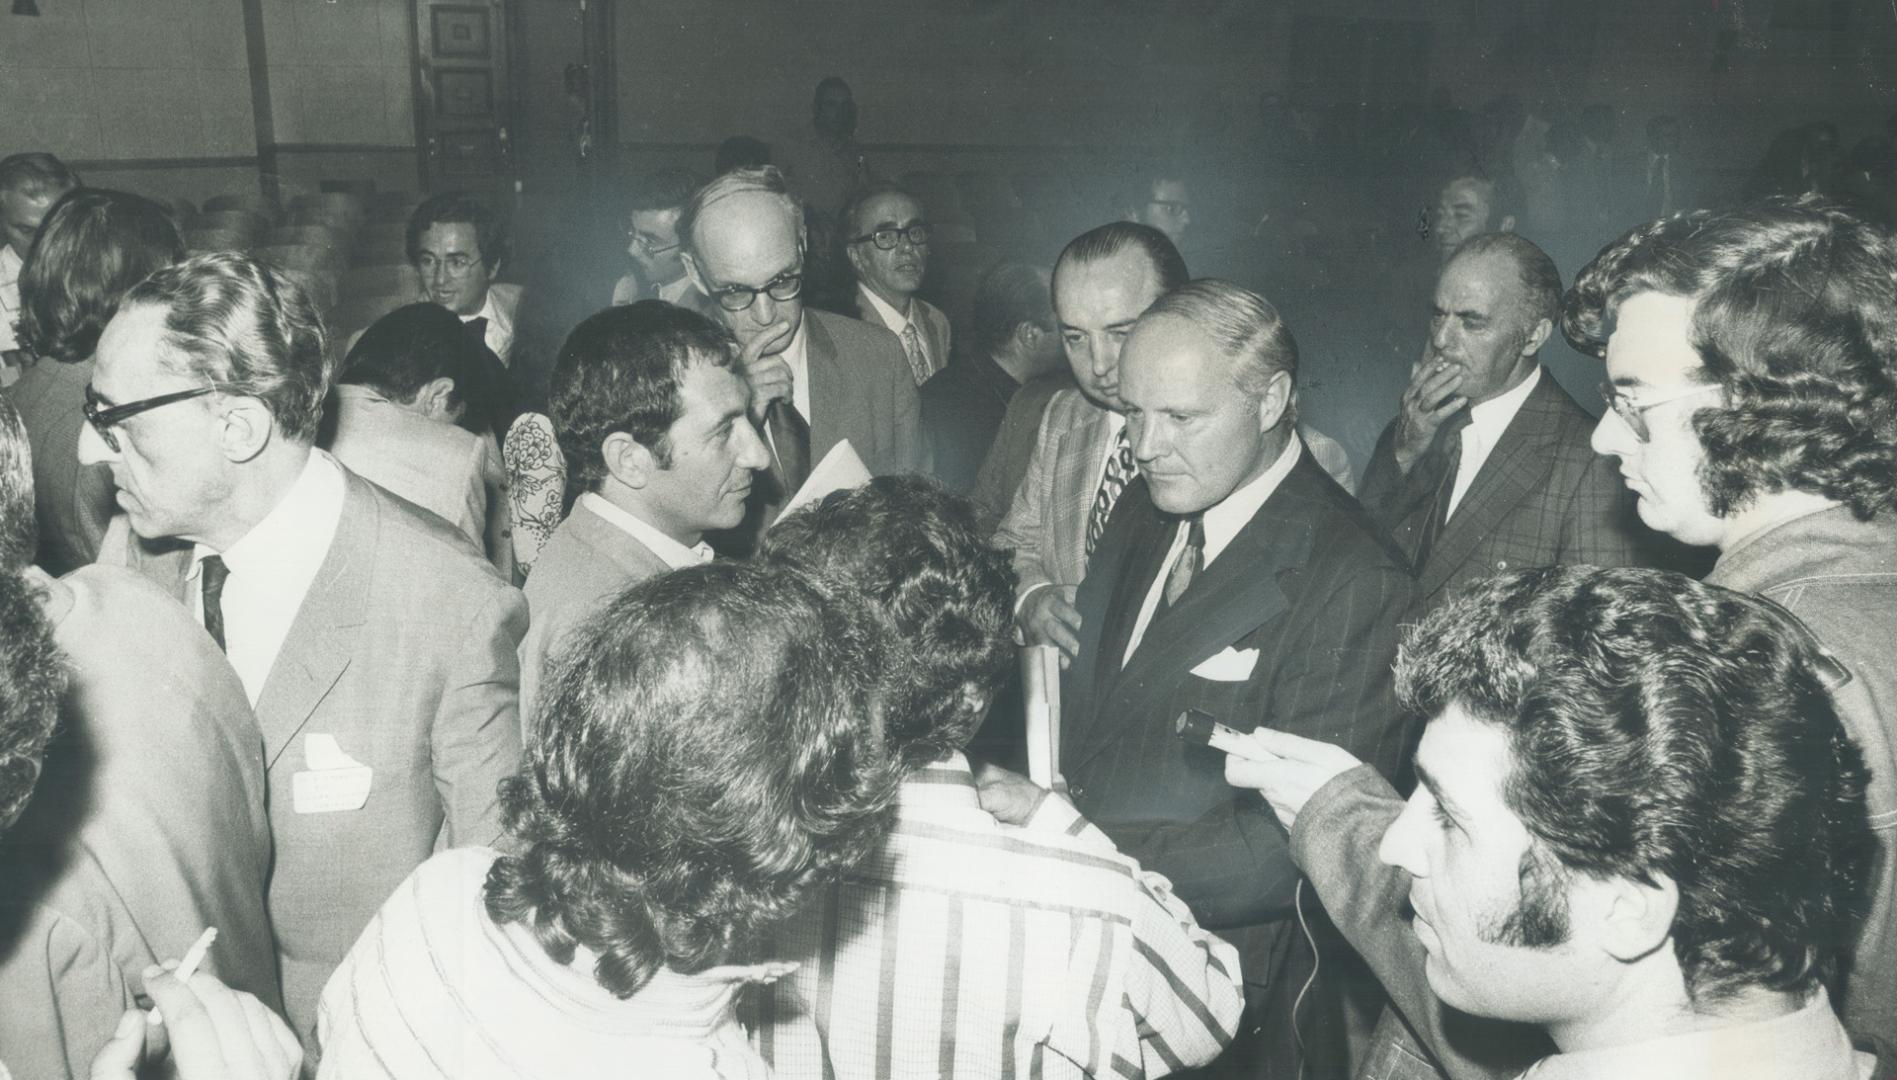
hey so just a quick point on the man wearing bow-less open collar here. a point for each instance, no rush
(1235, 577)
(376, 645)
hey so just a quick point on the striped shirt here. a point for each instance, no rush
(434, 990)
(965, 947)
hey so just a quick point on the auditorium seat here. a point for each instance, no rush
(309, 257)
(388, 279)
(242, 222)
(328, 207)
(255, 204)
(199, 241)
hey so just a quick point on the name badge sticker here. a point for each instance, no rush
(332, 782)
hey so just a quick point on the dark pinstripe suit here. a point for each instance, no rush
(1543, 498)
(1311, 584)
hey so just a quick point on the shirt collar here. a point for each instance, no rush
(487, 308)
(891, 318)
(1808, 1042)
(10, 264)
(1492, 417)
(670, 551)
(946, 784)
(292, 539)
(1223, 521)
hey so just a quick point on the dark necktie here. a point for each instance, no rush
(1189, 563)
(1449, 460)
(1120, 472)
(212, 574)
(477, 326)
(790, 441)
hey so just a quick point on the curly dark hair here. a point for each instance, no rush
(19, 536)
(1659, 726)
(702, 758)
(1795, 318)
(32, 681)
(93, 247)
(917, 553)
(620, 371)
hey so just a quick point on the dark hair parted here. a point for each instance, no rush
(620, 371)
(1110, 239)
(1795, 318)
(701, 759)
(1008, 296)
(1540, 279)
(237, 324)
(32, 681)
(1658, 726)
(416, 344)
(93, 246)
(459, 208)
(916, 552)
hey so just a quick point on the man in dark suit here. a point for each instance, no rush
(1487, 468)
(820, 378)
(1234, 577)
(375, 644)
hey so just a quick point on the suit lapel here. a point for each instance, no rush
(1238, 593)
(1080, 452)
(826, 386)
(614, 544)
(322, 637)
(1129, 555)
(1513, 471)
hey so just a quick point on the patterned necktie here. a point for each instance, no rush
(790, 440)
(1120, 472)
(1450, 463)
(912, 348)
(212, 575)
(1189, 563)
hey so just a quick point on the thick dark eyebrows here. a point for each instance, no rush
(1436, 792)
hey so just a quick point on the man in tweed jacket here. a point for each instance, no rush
(1487, 468)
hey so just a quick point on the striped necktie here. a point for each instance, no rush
(1120, 472)
(918, 359)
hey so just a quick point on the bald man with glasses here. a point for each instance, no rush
(821, 378)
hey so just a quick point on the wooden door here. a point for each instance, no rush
(462, 100)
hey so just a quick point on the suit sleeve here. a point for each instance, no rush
(476, 736)
(1335, 841)
(1233, 865)
(1601, 527)
(1023, 529)
(1385, 491)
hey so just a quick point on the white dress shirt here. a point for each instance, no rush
(1222, 523)
(670, 551)
(499, 334)
(271, 569)
(1487, 422)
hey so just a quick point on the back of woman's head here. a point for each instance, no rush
(93, 247)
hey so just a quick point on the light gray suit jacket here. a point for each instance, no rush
(439, 467)
(585, 563)
(406, 651)
(861, 390)
(1046, 525)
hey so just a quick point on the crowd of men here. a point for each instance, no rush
(1559, 746)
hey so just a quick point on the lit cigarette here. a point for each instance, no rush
(188, 966)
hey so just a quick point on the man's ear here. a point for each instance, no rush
(244, 429)
(1537, 337)
(691, 268)
(627, 460)
(494, 271)
(1507, 225)
(1276, 404)
(435, 399)
(1631, 918)
(854, 253)
(1027, 337)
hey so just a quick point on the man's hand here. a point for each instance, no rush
(769, 376)
(216, 1033)
(1048, 618)
(1424, 409)
(1292, 769)
(1009, 797)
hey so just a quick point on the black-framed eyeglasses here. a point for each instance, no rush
(645, 243)
(104, 417)
(1634, 413)
(785, 286)
(887, 239)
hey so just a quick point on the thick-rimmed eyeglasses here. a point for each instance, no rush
(1634, 413)
(784, 286)
(887, 239)
(104, 417)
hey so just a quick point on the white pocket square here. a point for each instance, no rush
(1231, 665)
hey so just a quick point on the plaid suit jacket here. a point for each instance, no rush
(1543, 498)
(1046, 525)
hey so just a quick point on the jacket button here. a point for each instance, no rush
(1501, 564)
(1076, 790)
